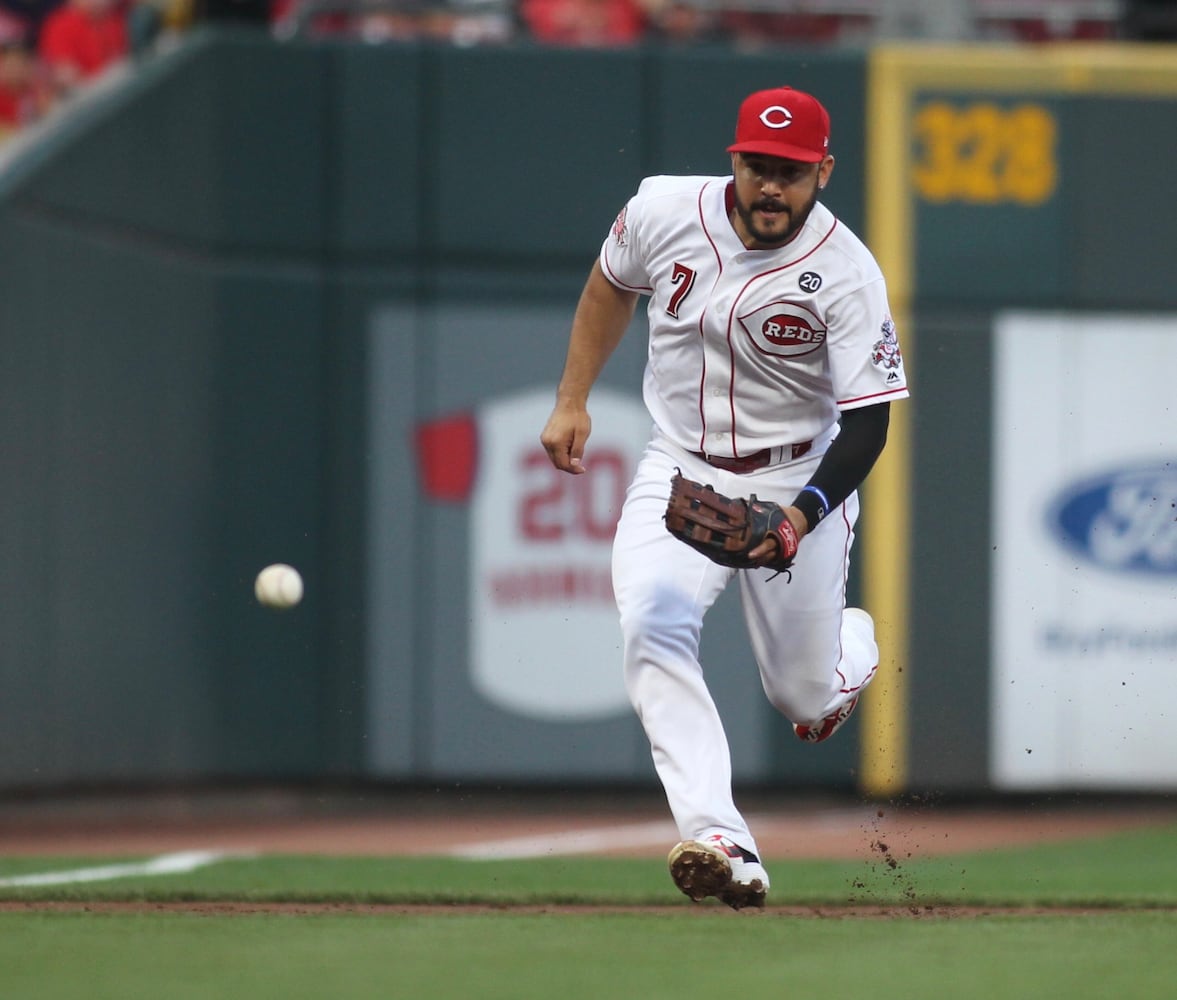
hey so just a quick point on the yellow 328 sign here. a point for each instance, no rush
(985, 154)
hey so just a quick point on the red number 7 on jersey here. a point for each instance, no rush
(684, 277)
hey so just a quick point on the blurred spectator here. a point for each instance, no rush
(147, 20)
(387, 26)
(13, 29)
(454, 22)
(288, 18)
(29, 14)
(458, 22)
(24, 94)
(82, 38)
(756, 29)
(1043, 21)
(584, 23)
(682, 22)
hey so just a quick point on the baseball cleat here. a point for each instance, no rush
(823, 729)
(717, 866)
(826, 728)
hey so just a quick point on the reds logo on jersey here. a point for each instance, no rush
(885, 353)
(784, 329)
(619, 230)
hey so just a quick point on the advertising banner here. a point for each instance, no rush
(1084, 600)
(545, 641)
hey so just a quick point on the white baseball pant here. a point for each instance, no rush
(808, 664)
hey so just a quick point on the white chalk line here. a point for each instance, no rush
(623, 837)
(177, 863)
(569, 842)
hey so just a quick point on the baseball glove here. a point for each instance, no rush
(726, 529)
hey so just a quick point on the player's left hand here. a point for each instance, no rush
(732, 531)
(766, 552)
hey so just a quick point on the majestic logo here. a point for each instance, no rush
(784, 329)
(620, 233)
(1124, 520)
(885, 353)
(776, 117)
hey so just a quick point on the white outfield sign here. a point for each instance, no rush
(1084, 600)
(545, 640)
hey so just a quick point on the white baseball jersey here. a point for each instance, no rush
(751, 349)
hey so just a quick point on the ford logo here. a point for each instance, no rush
(1123, 520)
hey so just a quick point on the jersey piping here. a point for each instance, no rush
(734, 434)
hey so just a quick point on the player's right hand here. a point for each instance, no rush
(564, 438)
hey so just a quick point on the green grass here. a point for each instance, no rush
(703, 954)
(1125, 947)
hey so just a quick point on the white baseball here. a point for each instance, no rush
(278, 586)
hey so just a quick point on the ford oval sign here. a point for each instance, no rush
(1123, 520)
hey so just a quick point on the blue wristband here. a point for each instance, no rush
(825, 501)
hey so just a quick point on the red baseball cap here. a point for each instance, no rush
(783, 122)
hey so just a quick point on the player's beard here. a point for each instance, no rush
(768, 239)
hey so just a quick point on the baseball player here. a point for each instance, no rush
(772, 365)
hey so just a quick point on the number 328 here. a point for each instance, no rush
(984, 154)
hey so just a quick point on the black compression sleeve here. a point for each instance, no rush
(847, 461)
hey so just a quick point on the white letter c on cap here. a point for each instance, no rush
(776, 117)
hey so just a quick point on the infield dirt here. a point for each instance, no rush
(483, 822)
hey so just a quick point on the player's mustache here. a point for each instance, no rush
(767, 205)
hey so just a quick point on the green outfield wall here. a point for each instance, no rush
(246, 292)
